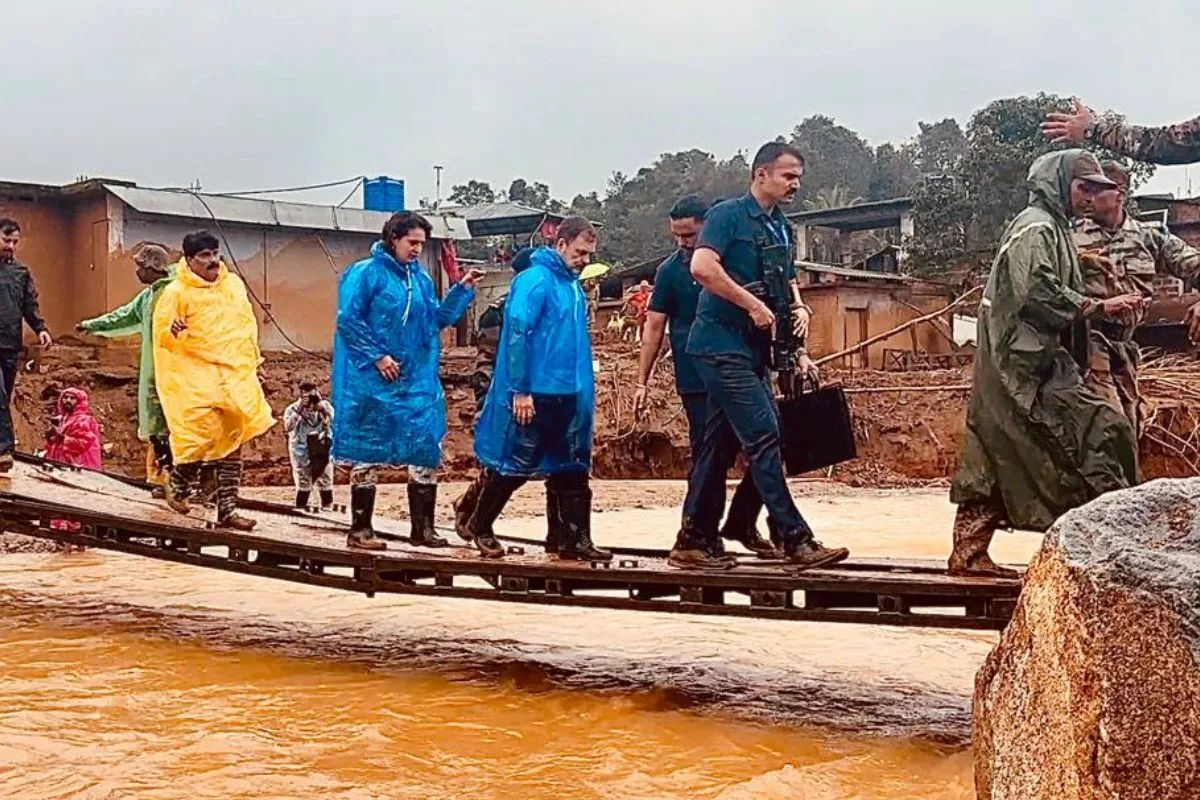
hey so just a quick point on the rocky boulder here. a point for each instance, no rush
(1094, 689)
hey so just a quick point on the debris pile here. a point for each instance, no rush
(908, 424)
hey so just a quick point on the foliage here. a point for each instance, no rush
(895, 171)
(965, 185)
(973, 189)
(940, 147)
(831, 197)
(536, 195)
(834, 155)
(472, 193)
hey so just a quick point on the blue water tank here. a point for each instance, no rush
(383, 194)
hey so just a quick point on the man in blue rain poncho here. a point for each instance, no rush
(389, 401)
(537, 419)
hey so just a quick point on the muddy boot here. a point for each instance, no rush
(176, 491)
(749, 537)
(362, 513)
(326, 499)
(974, 526)
(575, 515)
(776, 535)
(422, 498)
(464, 507)
(229, 478)
(802, 551)
(716, 549)
(302, 499)
(554, 521)
(494, 494)
(692, 551)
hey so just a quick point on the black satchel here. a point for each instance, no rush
(816, 428)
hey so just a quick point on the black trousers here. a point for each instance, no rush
(10, 360)
(747, 502)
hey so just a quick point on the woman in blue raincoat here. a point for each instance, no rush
(537, 419)
(390, 407)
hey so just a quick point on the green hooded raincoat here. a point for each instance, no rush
(1036, 437)
(137, 316)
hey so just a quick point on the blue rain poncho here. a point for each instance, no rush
(544, 351)
(386, 308)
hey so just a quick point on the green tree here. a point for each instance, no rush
(635, 207)
(834, 155)
(832, 197)
(895, 171)
(535, 194)
(472, 193)
(940, 146)
(960, 222)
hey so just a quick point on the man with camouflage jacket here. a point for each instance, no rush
(1170, 144)
(1120, 256)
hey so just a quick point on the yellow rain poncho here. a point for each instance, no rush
(207, 377)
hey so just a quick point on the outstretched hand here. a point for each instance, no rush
(1070, 127)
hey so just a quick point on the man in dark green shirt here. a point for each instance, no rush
(730, 343)
(673, 308)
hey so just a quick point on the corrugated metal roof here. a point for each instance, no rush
(246, 211)
(503, 210)
(846, 272)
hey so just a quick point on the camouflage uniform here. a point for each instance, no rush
(487, 343)
(1172, 144)
(1116, 263)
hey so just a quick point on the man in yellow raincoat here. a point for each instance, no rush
(206, 361)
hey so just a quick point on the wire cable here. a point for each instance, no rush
(287, 189)
(269, 317)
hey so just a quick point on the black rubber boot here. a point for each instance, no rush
(554, 521)
(575, 509)
(362, 513)
(422, 499)
(494, 494)
(692, 550)
(302, 496)
(464, 507)
(326, 499)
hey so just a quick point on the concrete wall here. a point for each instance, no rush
(81, 255)
(845, 314)
(46, 248)
(289, 271)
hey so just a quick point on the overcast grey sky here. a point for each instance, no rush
(262, 93)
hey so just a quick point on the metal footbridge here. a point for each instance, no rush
(111, 512)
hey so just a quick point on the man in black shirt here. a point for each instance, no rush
(18, 302)
(673, 307)
(730, 346)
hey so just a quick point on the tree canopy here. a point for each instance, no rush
(965, 185)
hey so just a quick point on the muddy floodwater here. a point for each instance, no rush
(128, 678)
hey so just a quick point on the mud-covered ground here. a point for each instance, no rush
(904, 438)
(907, 425)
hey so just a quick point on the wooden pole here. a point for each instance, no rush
(900, 329)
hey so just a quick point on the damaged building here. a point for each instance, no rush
(78, 240)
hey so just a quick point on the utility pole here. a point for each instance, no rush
(437, 198)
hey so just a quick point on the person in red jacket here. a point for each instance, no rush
(74, 434)
(73, 438)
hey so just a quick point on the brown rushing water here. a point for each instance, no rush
(127, 678)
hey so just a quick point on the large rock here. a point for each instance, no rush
(1094, 689)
